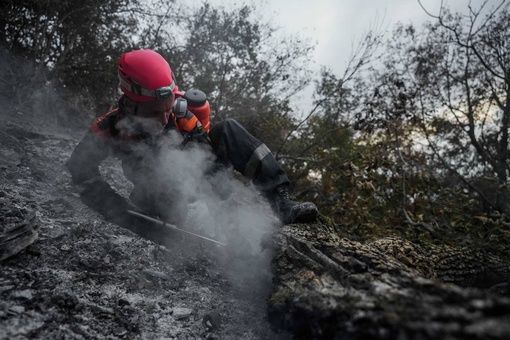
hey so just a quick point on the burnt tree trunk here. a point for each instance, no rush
(326, 286)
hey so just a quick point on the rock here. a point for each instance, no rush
(212, 321)
(123, 302)
(151, 274)
(101, 310)
(16, 229)
(17, 309)
(24, 294)
(9, 158)
(180, 313)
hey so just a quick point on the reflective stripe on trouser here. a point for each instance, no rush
(232, 144)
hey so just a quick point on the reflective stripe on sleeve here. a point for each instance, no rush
(255, 159)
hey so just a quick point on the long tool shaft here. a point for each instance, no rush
(173, 227)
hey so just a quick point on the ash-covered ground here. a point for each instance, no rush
(85, 278)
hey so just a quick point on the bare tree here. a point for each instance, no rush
(449, 87)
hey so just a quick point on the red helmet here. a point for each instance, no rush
(145, 76)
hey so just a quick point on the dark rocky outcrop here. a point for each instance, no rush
(327, 286)
(16, 228)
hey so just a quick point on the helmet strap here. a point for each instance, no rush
(128, 106)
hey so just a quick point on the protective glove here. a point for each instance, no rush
(101, 197)
(198, 135)
(189, 124)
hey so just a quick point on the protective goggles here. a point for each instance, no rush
(161, 93)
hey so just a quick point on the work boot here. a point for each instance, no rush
(291, 211)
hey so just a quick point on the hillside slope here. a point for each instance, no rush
(86, 278)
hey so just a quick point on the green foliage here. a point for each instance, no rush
(371, 190)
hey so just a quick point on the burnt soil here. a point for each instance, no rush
(86, 278)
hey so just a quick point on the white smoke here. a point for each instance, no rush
(133, 125)
(219, 204)
(222, 205)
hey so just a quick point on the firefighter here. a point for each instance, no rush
(152, 106)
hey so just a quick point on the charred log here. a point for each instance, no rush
(326, 286)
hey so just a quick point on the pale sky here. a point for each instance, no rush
(337, 25)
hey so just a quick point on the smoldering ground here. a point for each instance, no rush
(214, 201)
